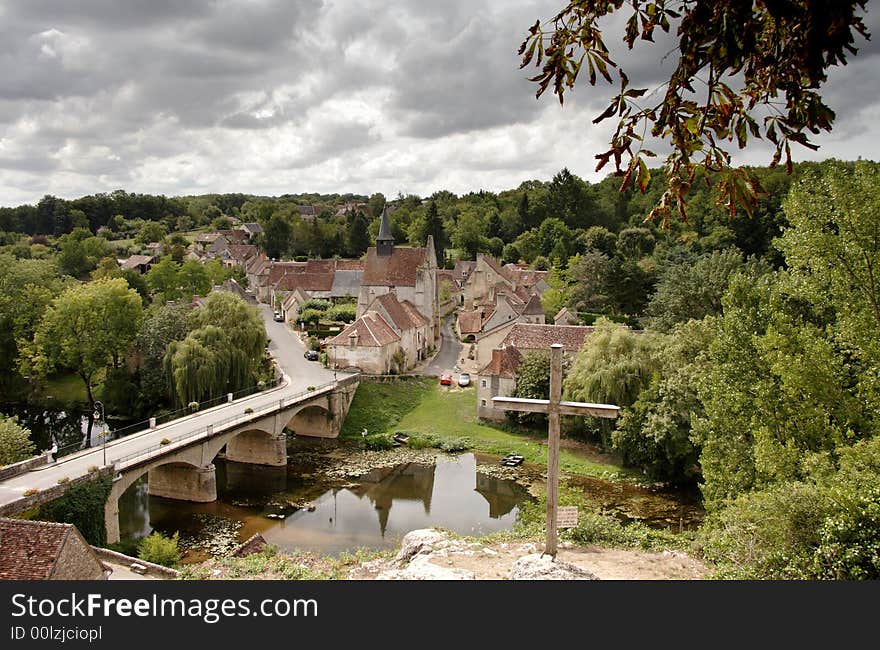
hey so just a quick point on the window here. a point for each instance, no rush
(482, 402)
(484, 383)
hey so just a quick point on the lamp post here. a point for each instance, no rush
(99, 415)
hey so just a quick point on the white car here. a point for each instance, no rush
(278, 317)
(464, 379)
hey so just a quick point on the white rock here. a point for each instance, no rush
(421, 568)
(543, 567)
(418, 541)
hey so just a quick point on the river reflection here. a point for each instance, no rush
(375, 512)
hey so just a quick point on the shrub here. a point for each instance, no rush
(193, 406)
(83, 506)
(93, 468)
(317, 304)
(158, 549)
(248, 410)
(378, 442)
(63, 480)
(15, 442)
(165, 441)
(455, 444)
(422, 441)
(345, 313)
(310, 388)
(31, 492)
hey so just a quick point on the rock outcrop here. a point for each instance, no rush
(543, 567)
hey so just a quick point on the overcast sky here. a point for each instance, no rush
(285, 96)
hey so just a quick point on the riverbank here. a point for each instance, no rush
(449, 413)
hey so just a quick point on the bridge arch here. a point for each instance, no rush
(255, 445)
(315, 420)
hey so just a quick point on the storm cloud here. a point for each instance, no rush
(287, 96)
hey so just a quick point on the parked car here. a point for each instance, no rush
(464, 379)
(311, 355)
(278, 317)
(446, 379)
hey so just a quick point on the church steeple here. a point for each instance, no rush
(384, 240)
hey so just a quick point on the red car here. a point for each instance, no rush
(445, 379)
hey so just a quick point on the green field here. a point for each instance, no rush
(423, 406)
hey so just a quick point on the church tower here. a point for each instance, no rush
(384, 240)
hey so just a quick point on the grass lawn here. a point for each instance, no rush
(66, 388)
(423, 406)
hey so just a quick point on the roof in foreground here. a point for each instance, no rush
(30, 549)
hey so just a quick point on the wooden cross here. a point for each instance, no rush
(554, 407)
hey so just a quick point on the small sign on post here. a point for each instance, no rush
(567, 517)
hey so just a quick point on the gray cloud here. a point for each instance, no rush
(276, 96)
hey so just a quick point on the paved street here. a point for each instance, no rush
(286, 349)
(450, 351)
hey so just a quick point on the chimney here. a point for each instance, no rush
(353, 339)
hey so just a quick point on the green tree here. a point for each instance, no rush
(717, 41)
(692, 288)
(277, 236)
(194, 279)
(376, 204)
(164, 279)
(79, 252)
(85, 329)
(27, 287)
(469, 234)
(150, 232)
(15, 441)
(358, 235)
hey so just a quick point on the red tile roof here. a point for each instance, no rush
(530, 336)
(403, 315)
(470, 322)
(243, 252)
(504, 363)
(371, 331)
(30, 549)
(400, 269)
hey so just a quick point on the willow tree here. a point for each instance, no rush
(222, 352)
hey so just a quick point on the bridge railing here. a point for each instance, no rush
(164, 418)
(219, 426)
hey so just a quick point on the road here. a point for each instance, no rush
(450, 351)
(284, 346)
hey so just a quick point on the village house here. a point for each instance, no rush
(41, 550)
(253, 230)
(566, 317)
(488, 277)
(498, 376)
(332, 280)
(489, 323)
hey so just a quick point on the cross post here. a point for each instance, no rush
(554, 407)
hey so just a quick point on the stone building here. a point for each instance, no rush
(41, 550)
(410, 272)
(498, 376)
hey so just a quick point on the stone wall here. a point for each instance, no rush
(50, 494)
(24, 466)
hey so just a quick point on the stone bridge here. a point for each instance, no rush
(183, 468)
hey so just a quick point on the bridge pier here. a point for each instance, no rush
(183, 482)
(258, 448)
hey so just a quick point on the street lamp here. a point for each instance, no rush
(99, 415)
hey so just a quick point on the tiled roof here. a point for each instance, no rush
(470, 322)
(371, 331)
(533, 307)
(495, 265)
(137, 260)
(234, 236)
(400, 269)
(463, 269)
(29, 549)
(530, 336)
(346, 283)
(243, 252)
(504, 363)
(252, 228)
(403, 315)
